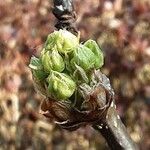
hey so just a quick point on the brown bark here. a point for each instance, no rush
(114, 132)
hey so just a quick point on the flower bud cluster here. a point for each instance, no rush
(64, 62)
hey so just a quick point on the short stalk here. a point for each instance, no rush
(114, 132)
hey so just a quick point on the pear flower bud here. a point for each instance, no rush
(37, 69)
(99, 58)
(61, 40)
(60, 85)
(83, 57)
(52, 60)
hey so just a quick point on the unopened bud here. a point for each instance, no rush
(99, 58)
(62, 40)
(60, 85)
(52, 60)
(83, 57)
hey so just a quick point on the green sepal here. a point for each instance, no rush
(37, 69)
(80, 71)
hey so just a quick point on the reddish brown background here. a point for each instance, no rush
(122, 29)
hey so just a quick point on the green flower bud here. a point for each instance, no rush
(99, 57)
(83, 57)
(37, 69)
(62, 40)
(60, 85)
(52, 60)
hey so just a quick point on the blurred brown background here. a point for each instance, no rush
(122, 29)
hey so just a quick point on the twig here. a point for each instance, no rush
(114, 132)
(64, 12)
(110, 127)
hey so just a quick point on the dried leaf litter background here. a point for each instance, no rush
(122, 28)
